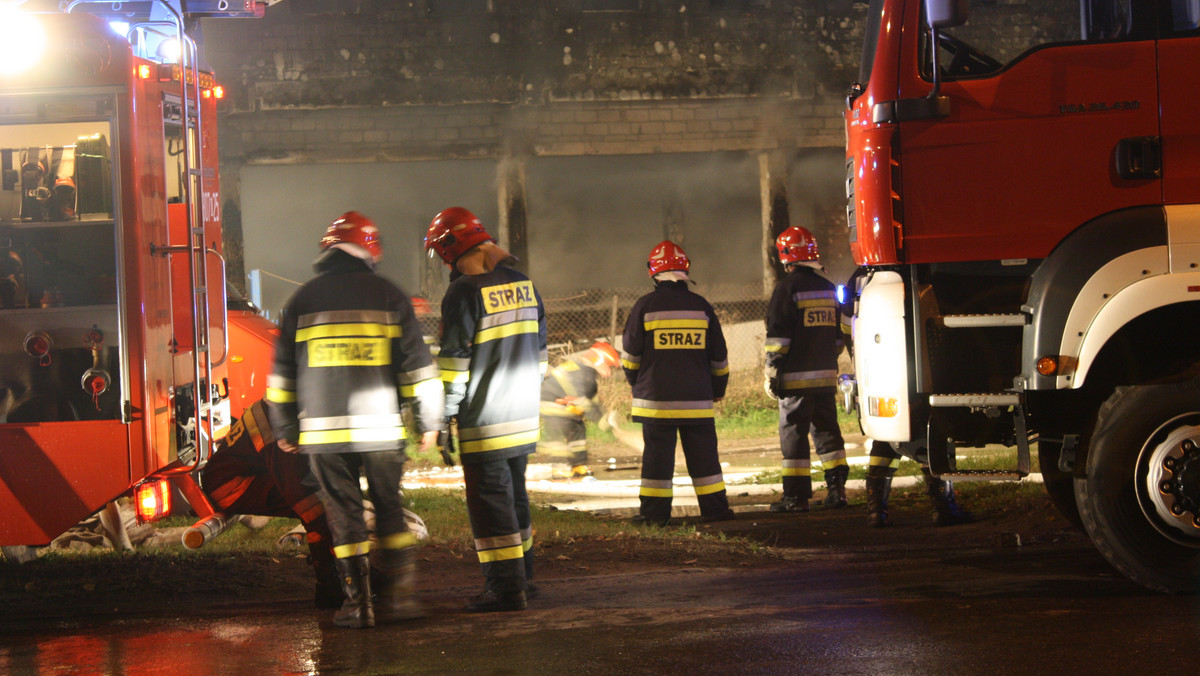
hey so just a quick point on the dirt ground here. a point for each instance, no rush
(139, 584)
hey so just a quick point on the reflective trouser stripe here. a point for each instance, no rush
(353, 549)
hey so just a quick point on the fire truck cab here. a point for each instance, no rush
(113, 326)
(1023, 198)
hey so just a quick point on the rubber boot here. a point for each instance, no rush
(879, 489)
(397, 601)
(500, 595)
(356, 611)
(329, 589)
(835, 482)
(946, 511)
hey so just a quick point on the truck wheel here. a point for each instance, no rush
(1140, 499)
(1060, 485)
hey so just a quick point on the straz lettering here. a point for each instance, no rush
(679, 339)
(820, 316)
(348, 352)
(507, 297)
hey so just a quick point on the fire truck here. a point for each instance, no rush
(116, 368)
(1023, 200)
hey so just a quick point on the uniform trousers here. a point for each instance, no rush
(564, 439)
(501, 524)
(658, 468)
(815, 413)
(338, 476)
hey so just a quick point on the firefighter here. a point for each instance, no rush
(675, 359)
(569, 394)
(884, 461)
(249, 474)
(805, 329)
(493, 357)
(350, 350)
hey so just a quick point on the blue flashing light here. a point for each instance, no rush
(841, 294)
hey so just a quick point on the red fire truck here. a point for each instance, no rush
(1024, 202)
(115, 360)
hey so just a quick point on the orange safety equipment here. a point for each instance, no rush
(796, 245)
(667, 256)
(603, 354)
(454, 232)
(356, 235)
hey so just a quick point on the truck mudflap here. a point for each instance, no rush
(52, 475)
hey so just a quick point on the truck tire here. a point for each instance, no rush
(1060, 485)
(1140, 431)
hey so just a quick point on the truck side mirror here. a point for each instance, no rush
(945, 13)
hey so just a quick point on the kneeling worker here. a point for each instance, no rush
(570, 394)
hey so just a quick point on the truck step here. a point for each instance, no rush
(982, 321)
(975, 399)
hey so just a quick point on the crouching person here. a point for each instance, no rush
(350, 349)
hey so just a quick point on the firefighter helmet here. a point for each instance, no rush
(797, 245)
(667, 256)
(356, 235)
(454, 232)
(603, 354)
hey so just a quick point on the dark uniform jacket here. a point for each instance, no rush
(804, 333)
(493, 355)
(349, 351)
(570, 390)
(674, 356)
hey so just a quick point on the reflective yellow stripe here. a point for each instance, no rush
(819, 302)
(678, 413)
(711, 488)
(497, 443)
(782, 349)
(356, 549)
(351, 436)
(881, 461)
(455, 376)
(808, 384)
(503, 554)
(398, 540)
(527, 544)
(656, 492)
(506, 330)
(839, 462)
(278, 396)
(631, 365)
(723, 371)
(339, 330)
(797, 471)
(431, 386)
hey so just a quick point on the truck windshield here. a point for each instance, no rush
(870, 40)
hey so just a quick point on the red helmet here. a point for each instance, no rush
(355, 234)
(454, 232)
(667, 256)
(603, 354)
(796, 245)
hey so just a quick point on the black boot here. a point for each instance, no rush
(946, 511)
(397, 601)
(357, 611)
(500, 595)
(329, 588)
(835, 482)
(879, 489)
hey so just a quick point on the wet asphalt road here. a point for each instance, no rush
(883, 609)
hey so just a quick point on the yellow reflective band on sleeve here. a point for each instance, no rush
(502, 554)
(834, 462)
(506, 330)
(710, 488)
(399, 540)
(498, 443)
(355, 549)
(430, 386)
(277, 396)
(675, 413)
(816, 302)
(656, 492)
(317, 438)
(722, 371)
(631, 365)
(797, 471)
(343, 330)
(527, 544)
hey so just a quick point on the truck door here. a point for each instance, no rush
(1178, 54)
(1035, 134)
